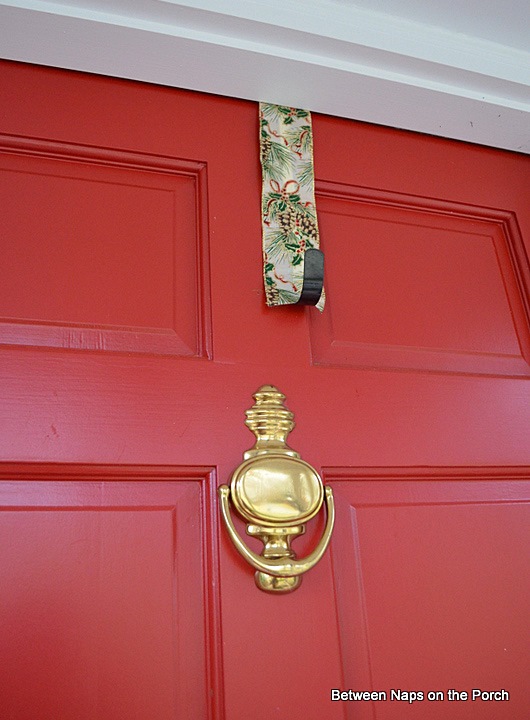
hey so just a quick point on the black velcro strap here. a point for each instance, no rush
(313, 277)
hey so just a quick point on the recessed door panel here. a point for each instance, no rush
(102, 597)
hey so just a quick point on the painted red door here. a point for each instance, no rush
(133, 335)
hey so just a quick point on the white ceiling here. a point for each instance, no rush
(500, 21)
(458, 69)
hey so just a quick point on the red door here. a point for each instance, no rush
(133, 335)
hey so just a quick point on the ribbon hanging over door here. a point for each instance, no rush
(293, 263)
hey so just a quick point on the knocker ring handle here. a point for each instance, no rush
(281, 566)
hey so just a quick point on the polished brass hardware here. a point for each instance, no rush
(276, 493)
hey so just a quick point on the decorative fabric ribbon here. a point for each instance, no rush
(289, 218)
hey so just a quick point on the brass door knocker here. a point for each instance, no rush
(276, 493)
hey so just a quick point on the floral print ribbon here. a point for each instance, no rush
(289, 218)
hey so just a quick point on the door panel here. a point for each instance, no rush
(433, 591)
(130, 277)
(103, 580)
(133, 333)
(450, 281)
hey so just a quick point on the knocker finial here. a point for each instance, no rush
(270, 421)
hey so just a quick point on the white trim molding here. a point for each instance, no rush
(323, 55)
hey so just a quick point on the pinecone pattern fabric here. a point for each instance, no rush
(289, 218)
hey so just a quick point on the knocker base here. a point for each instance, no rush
(277, 545)
(272, 584)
